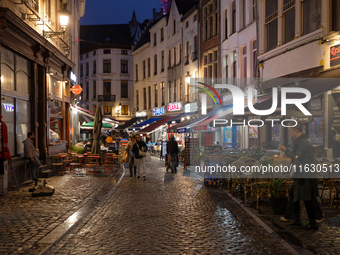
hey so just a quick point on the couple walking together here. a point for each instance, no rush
(134, 147)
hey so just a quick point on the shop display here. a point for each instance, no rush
(191, 152)
(213, 160)
(122, 145)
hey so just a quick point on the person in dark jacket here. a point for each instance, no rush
(305, 187)
(139, 145)
(31, 154)
(172, 151)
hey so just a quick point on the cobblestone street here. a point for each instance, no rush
(168, 213)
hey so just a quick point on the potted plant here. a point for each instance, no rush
(278, 201)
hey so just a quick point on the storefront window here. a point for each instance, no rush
(315, 130)
(7, 111)
(55, 107)
(55, 87)
(7, 69)
(23, 125)
(55, 129)
(22, 74)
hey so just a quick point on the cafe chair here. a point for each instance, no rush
(334, 190)
(57, 164)
(237, 180)
(326, 179)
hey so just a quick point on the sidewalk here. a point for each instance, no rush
(25, 220)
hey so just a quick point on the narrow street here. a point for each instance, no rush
(168, 213)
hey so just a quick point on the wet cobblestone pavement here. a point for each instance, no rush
(24, 220)
(168, 213)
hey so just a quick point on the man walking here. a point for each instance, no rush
(172, 151)
(31, 155)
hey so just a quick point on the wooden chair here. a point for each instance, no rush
(91, 163)
(237, 180)
(57, 164)
(260, 188)
(266, 158)
(243, 158)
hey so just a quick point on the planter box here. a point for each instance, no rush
(279, 205)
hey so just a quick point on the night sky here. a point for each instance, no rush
(117, 11)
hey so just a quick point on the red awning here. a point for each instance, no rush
(155, 125)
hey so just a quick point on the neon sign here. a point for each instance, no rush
(174, 107)
(8, 107)
(158, 111)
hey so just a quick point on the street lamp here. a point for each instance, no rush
(63, 19)
(187, 77)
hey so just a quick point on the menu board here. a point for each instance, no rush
(213, 158)
(122, 145)
(191, 152)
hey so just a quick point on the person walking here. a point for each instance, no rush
(31, 155)
(304, 189)
(172, 151)
(140, 145)
(132, 161)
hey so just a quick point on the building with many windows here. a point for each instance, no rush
(164, 57)
(106, 68)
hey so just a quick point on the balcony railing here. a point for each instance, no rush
(106, 98)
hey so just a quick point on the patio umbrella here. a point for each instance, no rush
(96, 131)
(90, 125)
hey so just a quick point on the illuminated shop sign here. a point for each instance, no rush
(73, 77)
(192, 107)
(334, 55)
(141, 114)
(158, 111)
(8, 107)
(174, 107)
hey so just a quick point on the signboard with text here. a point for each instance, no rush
(158, 111)
(334, 53)
(174, 107)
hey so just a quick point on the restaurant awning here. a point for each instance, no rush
(155, 126)
(203, 125)
(130, 122)
(142, 124)
(177, 119)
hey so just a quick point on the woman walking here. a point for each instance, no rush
(305, 188)
(140, 145)
(132, 161)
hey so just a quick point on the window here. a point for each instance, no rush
(162, 34)
(137, 100)
(107, 110)
(175, 91)
(216, 22)
(244, 63)
(107, 66)
(195, 17)
(163, 93)
(156, 95)
(226, 68)
(234, 66)
(107, 51)
(162, 54)
(187, 24)
(180, 53)
(107, 88)
(136, 73)
(149, 97)
(174, 26)
(87, 55)
(154, 39)
(211, 28)
(233, 17)
(254, 58)
(289, 20)
(144, 96)
(94, 67)
(169, 92)
(124, 89)
(125, 110)
(124, 52)
(244, 14)
(81, 57)
(169, 59)
(271, 24)
(81, 71)
(254, 9)
(335, 15)
(149, 68)
(175, 59)
(87, 90)
(124, 66)
(82, 92)
(155, 64)
(210, 21)
(226, 24)
(87, 69)
(16, 77)
(94, 89)
(186, 53)
(180, 89)
(94, 53)
(144, 71)
(94, 108)
(210, 64)
(311, 15)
